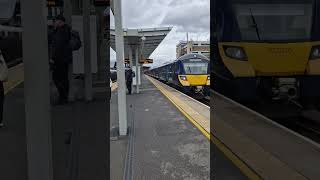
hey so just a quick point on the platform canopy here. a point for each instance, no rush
(146, 39)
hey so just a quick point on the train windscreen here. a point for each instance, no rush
(7, 8)
(200, 67)
(274, 21)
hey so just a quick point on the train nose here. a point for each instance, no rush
(197, 80)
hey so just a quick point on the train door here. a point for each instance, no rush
(176, 72)
(170, 74)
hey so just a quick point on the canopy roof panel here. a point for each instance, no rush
(133, 38)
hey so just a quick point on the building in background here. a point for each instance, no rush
(199, 47)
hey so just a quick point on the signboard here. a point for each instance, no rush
(101, 3)
(55, 3)
(146, 61)
(149, 61)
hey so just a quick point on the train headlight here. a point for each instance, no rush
(208, 78)
(183, 78)
(235, 52)
(315, 53)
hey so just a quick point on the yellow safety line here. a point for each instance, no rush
(13, 83)
(183, 112)
(243, 167)
(10, 88)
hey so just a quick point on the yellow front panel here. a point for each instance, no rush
(184, 83)
(270, 59)
(197, 80)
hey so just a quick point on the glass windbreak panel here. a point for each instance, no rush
(7, 8)
(196, 68)
(274, 22)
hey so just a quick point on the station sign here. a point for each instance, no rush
(54, 3)
(103, 3)
(146, 61)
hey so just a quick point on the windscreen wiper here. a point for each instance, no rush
(255, 25)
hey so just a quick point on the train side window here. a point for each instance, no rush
(178, 68)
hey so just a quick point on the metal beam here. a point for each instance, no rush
(37, 91)
(130, 60)
(122, 101)
(87, 49)
(133, 36)
(10, 28)
(130, 56)
(67, 9)
(135, 32)
(137, 69)
(112, 6)
(68, 15)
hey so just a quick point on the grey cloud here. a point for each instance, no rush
(184, 15)
(144, 13)
(194, 17)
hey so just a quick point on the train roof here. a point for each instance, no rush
(164, 64)
(182, 58)
(191, 56)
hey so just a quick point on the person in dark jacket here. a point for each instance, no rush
(129, 77)
(61, 55)
(3, 78)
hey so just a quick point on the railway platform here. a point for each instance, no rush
(261, 148)
(78, 119)
(168, 137)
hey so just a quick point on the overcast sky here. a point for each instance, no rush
(192, 16)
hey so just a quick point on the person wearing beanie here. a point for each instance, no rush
(61, 57)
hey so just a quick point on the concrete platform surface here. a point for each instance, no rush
(166, 145)
(199, 114)
(86, 155)
(270, 150)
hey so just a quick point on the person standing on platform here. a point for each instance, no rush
(3, 78)
(129, 77)
(110, 88)
(61, 57)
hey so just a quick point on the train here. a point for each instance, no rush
(10, 40)
(266, 50)
(189, 73)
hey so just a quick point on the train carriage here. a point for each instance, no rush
(189, 73)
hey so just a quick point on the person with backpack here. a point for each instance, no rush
(64, 41)
(3, 78)
(129, 75)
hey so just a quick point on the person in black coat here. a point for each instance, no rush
(61, 55)
(129, 77)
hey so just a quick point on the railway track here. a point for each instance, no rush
(293, 116)
(206, 100)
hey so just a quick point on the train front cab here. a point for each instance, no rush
(192, 74)
(264, 47)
